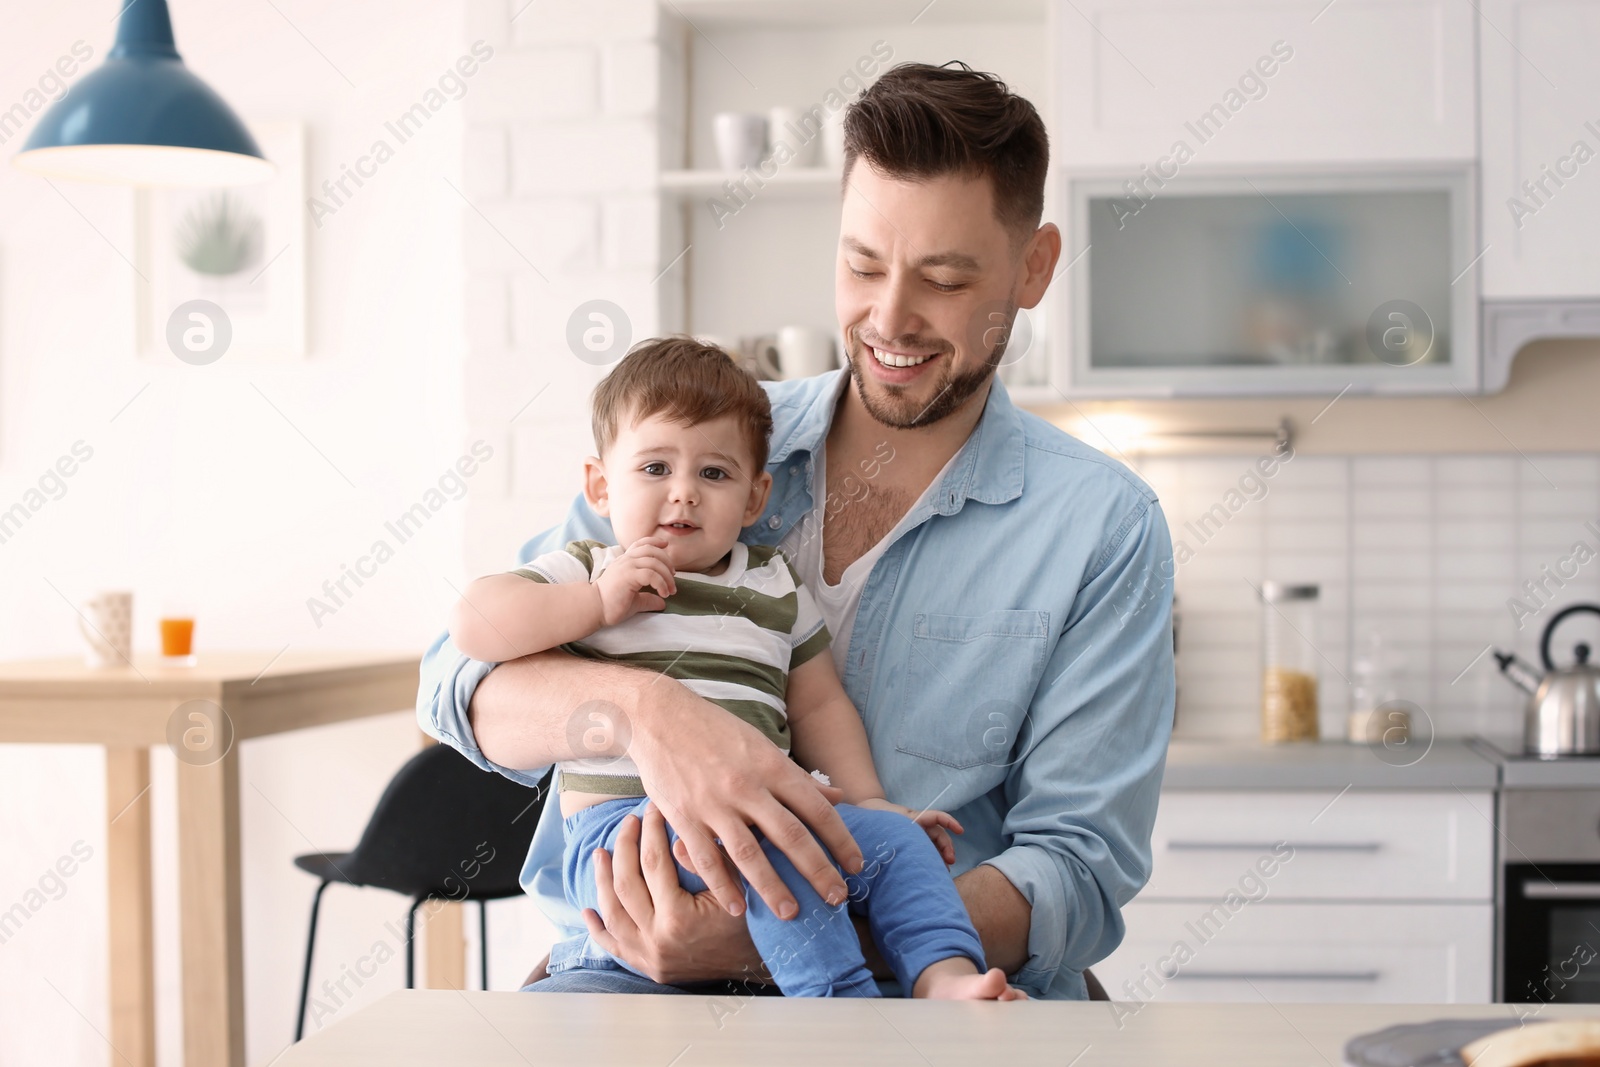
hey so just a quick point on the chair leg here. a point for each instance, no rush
(411, 943)
(483, 942)
(305, 977)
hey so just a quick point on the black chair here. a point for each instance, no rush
(1096, 990)
(443, 830)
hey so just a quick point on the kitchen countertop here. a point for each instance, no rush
(1449, 763)
(1518, 771)
(417, 1027)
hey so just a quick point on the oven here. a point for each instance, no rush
(1549, 917)
(1552, 933)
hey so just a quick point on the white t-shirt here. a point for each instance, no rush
(803, 545)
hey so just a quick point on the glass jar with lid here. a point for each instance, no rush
(1289, 662)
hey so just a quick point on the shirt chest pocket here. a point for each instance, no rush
(968, 682)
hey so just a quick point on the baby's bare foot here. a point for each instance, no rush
(959, 980)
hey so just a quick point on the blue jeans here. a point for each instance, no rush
(904, 890)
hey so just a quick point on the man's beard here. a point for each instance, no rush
(893, 407)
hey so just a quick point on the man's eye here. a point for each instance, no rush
(863, 273)
(715, 474)
(947, 287)
(655, 468)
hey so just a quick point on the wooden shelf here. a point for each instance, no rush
(793, 180)
(835, 13)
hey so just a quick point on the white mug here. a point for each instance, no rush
(741, 139)
(804, 352)
(106, 623)
(800, 130)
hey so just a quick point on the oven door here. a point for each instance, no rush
(1551, 951)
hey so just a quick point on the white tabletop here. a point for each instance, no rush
(596, 1030)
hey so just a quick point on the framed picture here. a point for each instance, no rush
(242, 248)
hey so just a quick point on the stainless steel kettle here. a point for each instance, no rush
(1563, 715)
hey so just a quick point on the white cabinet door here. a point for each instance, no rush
(1241, 81)
(1373, 953)
(1541, 148)
(1313, 846)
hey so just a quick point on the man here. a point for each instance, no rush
(999, 596)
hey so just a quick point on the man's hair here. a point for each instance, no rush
(919, 121)
(686, 381)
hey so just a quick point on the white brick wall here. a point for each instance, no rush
(583, 156)
(486, 162)
(545, 21)
(523, 83)
(560, 161)
(630, 76)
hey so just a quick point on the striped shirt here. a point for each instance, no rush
(731, 638)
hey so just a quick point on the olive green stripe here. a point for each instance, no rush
(817, 642)
(772, 723)
(758, 556)
(702, 598)
(711, 666)
(583, 551)
(621, 785)
(531, 574)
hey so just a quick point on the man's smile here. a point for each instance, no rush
(898, 365)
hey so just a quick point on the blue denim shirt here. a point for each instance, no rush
(1011, 659)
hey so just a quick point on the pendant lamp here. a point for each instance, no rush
(143, 119)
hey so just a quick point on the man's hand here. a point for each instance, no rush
(717, 779)
(639, 580)
(938, 824)
(650, 921)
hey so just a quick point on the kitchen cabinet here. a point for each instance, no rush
(1272, 284)
(1309, 895)
(1292, 186)
(1540, 277)
(1181, 118)
(1239, 82)
(1305, 952)
(1541, 149)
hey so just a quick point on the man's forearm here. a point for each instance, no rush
(523, 712)
(1001, 915)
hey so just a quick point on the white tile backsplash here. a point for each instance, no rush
(1475, 471)
(1427, 551)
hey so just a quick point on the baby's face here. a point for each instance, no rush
(695, 486)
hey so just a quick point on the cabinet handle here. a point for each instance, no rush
(1561, 890)
(1281, 976)
(1269, 846)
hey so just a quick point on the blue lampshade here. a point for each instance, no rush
(143, 119)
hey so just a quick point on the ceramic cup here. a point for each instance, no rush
(761, 357)
(800, 130)
(804, 352)
(106, 622)
(741, 139)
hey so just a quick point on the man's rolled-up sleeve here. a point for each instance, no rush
(449, 679)
(1082, 795)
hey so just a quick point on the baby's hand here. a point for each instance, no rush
(626, 586)
(938, 824)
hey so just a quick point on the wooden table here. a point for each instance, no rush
(517, 1029)
(127, 709)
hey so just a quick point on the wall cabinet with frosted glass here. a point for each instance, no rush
(1270, 283)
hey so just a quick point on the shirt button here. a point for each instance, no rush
(775, 522)
(794, 468)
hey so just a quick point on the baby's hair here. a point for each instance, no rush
(686, 381)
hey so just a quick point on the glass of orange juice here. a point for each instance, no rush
(177, 635)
